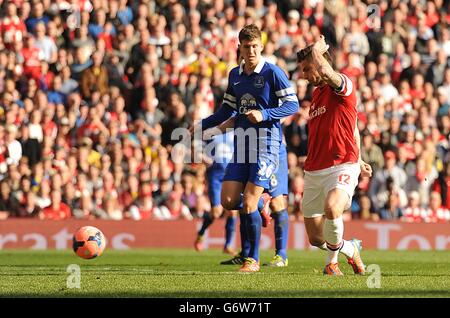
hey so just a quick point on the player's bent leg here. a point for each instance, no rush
(314, 229)
(312, 208)
(230, 227)
(216, 212)
(252, 193)
(278, 203)
(337, 201)
(281, 228)
(229, 236)
(230, 196)
(208, 219)
(333, 228)
(253, 224)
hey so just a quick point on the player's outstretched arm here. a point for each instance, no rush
(227, 124)
(221, 115)
(324, 68)
(221, 129)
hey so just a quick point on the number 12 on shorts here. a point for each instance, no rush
(344, 179)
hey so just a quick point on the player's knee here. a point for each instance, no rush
(228, 203)
(316, 241)
(216, 212)
(334, 208)
(278, 204)
(335, 203)
(250, 205)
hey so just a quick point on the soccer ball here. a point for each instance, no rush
(88, 242)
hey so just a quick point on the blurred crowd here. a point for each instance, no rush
(90, 92)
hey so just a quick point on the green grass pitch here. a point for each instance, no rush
(188, 274)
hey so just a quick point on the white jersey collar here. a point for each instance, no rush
(257, 69)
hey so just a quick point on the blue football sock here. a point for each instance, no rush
(207, 221)
(254, 224)
(230, 226)
(245, 243)
(281, 227)
(260, 204)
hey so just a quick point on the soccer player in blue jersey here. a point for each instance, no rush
(259, 94)
(219, 153)
(278, 205)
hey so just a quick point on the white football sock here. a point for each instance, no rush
(348, 249)
(333, 231)
(323, 246)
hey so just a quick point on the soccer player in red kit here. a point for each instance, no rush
(333, 163)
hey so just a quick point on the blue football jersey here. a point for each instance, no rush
(267, 89)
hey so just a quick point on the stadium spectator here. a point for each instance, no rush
(362, 208)
(95, 78)
(29, 207)
(436, 213)
(45, 44)
(422, 180)
(8, 203)
(414, 212)
(37, 15)
(125, 75)
(30, 146)
(12, 28)
(379, 184)
(297, 131)
(13, 146)
(295, 197)
(370, 152)
(57, 210)
(391, 210)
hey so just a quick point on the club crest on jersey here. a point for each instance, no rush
(259, 81)
(317, 112)
(247, 102)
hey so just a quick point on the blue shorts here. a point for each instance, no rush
(215, 179)
(279, 180)
(257, 173)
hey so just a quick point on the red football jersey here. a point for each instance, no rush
(331, 127)
(12, 29)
